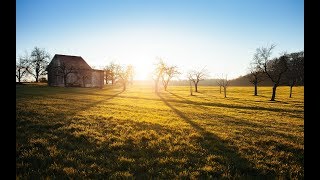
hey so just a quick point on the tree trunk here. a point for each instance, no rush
(220, 89)
(190, 88)
(65, 80)
(19, 76)
(165, 87)
(196, 86)
(290, 91)
(256, 89)
(274, 92)
(37, 77)
(225, 91)
(124, 86)
(106, 76)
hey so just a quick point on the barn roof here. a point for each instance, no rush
(75, 61)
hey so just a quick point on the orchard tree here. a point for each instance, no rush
(189, 76)
(21, 67)
(223, 82)
(84, 75)
(168, 73)
(110, 72)
(274, 68)
(197, 75)
(158, 72)
(38, 62)
(63, 70)
(123, 74)
(255, 76)
(131, 73)
(295, 72)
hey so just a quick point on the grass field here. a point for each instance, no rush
(110, 133)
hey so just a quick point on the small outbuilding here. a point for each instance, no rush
(73, 71)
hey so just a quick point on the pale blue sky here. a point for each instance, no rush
(219, 34)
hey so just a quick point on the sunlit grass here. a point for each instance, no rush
(101, 133)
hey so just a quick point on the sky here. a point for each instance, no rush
(220, 35)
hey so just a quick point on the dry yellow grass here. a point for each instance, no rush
(107, 133)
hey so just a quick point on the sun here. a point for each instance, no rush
(143, 70)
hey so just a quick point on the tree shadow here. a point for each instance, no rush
(46, 128)
(141, 149)
(233, 106)
(86, 104)
(237, 165)
(261, 129)
(180, 97)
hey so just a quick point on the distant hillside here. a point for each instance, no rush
(244, 81)
(240, 81)
(206, 82)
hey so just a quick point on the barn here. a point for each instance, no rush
(73, 71)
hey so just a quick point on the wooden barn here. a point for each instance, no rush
(73, 71)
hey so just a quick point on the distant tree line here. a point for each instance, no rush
(287, 69)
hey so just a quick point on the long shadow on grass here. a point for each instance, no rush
(34, 159)
(180, 97)
(143, 153)
(86, 104)
(261, 129)
(57, 118)
(186, 101)
(236, 164)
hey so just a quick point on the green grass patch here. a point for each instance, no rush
(110, 133)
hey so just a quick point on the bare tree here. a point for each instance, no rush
(63, 70)
(84, 75)
(110, 72)
(189, 76)
(157, 73)
(274, 68)
(168, 74)
(295, 72)
(131, 73)
(196, 76)
(107, 75)
(255, 76)
(123, 73)
(223, 82)
(21, 67)
(37, 63)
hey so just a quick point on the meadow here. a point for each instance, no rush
(109, 133)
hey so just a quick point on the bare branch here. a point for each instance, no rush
(38, 62)
(196, 76)
(222, 81)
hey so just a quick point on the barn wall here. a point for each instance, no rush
(97, 78)
(73, 79)
(53, 79)
(84, 78)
